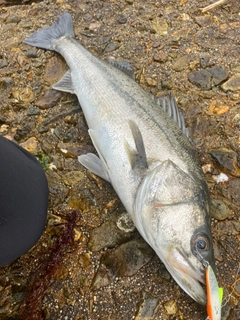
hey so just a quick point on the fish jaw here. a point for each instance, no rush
(171, 213)
(184, 273)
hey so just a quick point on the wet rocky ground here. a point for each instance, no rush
(91, 263)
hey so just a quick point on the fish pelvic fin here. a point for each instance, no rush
(44, 38)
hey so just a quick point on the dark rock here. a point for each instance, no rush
(33, 111)
(13, 19)
(201, 78)
(54, 70)
(125, 261)
(147, 307)
(227, 160)
(233, 191)
(218, 209)
(50, 99)
(110, 233)
(204, 61)
(32, 53)
(7, 82)
(20, 133)
(122, 19)
(219, 74)
(58, 192)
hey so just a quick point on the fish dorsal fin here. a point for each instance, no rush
(137, 157)
(123, 66)
(65, 84)
(169, 105)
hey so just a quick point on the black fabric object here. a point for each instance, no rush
(23, 201)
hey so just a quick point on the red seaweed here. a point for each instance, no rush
(41, 278)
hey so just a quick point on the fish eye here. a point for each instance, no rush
(201, 243)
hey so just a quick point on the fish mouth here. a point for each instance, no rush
(189, 277)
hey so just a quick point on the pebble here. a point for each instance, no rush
(218, 209)
(207, 78)
(233, 191)
(204, 61)
(171, 307)
(125, 261)
(111, 47)
(181, 63)
(3, 63)
(160, 25)
(31, 145)
(160, 57)
(147, 307)
(111, 233)
(227, 160)
(232, 84)
(49, 99)
(33, 111)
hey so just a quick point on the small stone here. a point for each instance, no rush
(218, 210)
(26, 95)
(94, 26)
(31, 145)
(73, 177)
(33, 111)
(50, 99)
(219, 74)
(151, 82)
(171, 307)
(233, 191)
(129, 1)
(13, 19)
(7, 82)
(226, 159)
(204, 61)
(104, 39)
(111, 233)
(147, 308)
(201, 78)
(122, 19)
(160, 25)
(203, 20)
(232, 84)
(160, 57)
(111, 47)
(3, 63)
(181, 63)
(32, 53)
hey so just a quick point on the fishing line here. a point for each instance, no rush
(227, 298)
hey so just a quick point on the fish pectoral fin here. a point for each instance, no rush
(123, 66)
(94, 164)
(169, 105)
(103, 170)
(65, 84)
(137, 158)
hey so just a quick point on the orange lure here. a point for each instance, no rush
(214, 295)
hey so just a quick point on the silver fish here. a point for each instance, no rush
(144, 153)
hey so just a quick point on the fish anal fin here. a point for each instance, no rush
(65, 84)
(123, 66)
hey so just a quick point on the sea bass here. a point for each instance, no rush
(144, 153)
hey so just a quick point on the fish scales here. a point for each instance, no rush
(144, 155)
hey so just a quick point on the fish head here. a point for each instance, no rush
(171, 211)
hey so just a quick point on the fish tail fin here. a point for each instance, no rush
(44, 38)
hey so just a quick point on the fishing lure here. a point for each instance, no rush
(214, 295)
